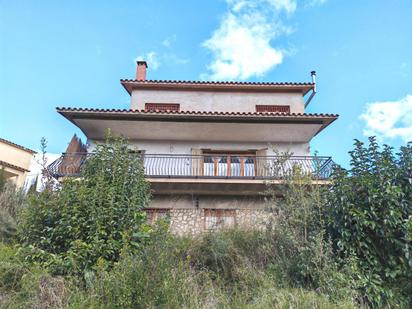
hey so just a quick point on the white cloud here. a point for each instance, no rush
(241, 46)
(392, 119)
(151, 58)
(155, 60)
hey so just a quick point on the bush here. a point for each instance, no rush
(24, 286)
(301, 254)
(370, 218)
(93, 217)
(12, 201)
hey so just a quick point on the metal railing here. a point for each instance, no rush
(209, 165)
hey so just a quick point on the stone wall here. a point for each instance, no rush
(188, 213)
(186, 221)
(192, 221)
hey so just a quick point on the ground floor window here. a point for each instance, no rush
(216, 219)
(153, 214)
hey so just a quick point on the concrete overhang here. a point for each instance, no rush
(199, 126)
(217, 186)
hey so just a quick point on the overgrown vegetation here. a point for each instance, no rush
(93, 217)
(370, 219)
(86, 245)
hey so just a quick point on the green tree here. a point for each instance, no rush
(90, 218)
(370, 218)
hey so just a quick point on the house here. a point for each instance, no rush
(209, 147)
(15, 161)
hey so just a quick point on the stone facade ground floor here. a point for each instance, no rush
(192, 215)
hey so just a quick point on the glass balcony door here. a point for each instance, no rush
(229, 165)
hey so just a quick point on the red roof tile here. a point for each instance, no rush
(197, 82)
(200, 113)
(129, 84)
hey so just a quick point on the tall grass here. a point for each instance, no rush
(232, 269)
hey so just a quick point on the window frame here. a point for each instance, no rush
(273, 108)
(219, 214)
(217, 155)
(152, 107)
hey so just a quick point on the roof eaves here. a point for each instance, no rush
(16, 145)
(6, 164)
(214, 84)
(203, 113)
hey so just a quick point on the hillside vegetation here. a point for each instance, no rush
(86, 243)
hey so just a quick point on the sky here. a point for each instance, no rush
(73, 54)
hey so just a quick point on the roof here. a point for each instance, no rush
(74, 114)
(16, 145)
(130, 84)
(142, 124)
(66, 111)
(6, 164)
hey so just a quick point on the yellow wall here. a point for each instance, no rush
(18, 157)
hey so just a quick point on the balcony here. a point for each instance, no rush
(217, 174)
(209, 166)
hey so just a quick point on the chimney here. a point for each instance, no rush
(141, 70)
(313, 74)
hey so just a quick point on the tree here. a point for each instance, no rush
(370, 217)
(91, 218)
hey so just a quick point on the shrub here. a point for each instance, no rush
(89, 218)
(24, 286)
(12, 201)
(300, 252)
(370, 218)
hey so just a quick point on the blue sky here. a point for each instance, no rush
(73, 53)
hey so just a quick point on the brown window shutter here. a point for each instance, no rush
(273, 108)
(161, 107)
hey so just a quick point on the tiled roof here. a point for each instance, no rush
(6, 164)
(129, 84)
(199, 113)
(16, 145)
(196, 82)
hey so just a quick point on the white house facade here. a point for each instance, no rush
(209, 148)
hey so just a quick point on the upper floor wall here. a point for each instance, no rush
(219, 101)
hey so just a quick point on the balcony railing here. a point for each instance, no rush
(209, 166)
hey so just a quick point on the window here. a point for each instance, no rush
(273, 108)
(161, 107)
(229, 163)
(217, 219)
(152, 215)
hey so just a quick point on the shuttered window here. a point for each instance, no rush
(273, 108)
(217, 219)
(161, 107)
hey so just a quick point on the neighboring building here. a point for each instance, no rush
(15, 161)
(209, 147)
